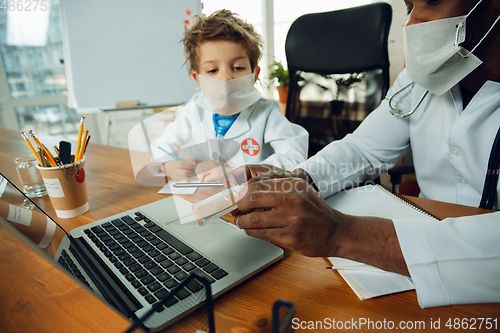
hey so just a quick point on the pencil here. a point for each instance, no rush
(79, 142)
(35, 138)
(56, 150)
(30, 146)
(82, 147)
(46, 152)
(49, 155)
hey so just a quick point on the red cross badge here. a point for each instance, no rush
(250, 146)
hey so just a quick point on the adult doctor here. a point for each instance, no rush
(445, 107)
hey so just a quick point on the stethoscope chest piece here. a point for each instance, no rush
(397, 111)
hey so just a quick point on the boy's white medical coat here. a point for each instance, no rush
(261, 134)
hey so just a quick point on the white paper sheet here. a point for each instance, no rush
(373, 201)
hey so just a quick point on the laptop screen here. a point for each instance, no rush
(32, 225)
(24, 215)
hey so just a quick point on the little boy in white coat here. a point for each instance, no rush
(222, 52)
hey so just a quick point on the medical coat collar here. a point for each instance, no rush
(240, 126)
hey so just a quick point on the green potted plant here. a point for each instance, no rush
(278, 73)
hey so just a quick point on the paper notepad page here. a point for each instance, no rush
(374, 201)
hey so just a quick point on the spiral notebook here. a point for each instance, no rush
(374, 200)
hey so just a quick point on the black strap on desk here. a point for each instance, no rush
(491, 180)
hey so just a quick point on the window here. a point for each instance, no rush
(35, 77)
(34, 71)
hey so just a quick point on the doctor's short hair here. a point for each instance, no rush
(222, 24)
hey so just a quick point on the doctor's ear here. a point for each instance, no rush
(195, 77)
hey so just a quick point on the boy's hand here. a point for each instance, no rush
(210, 171)
(180, 171)
(204, 167)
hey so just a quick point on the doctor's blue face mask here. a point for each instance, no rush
(227, 98)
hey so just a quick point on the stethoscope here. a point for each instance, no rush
(397, 111)
(221, 129)
(490, 183)
(221, 126)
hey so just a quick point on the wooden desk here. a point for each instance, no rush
(37, 297)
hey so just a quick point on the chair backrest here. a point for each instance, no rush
(350, 40)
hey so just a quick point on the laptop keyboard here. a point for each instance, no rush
(151, 259)
(66, 261)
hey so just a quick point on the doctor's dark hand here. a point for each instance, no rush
(290, 213)
(259, 172)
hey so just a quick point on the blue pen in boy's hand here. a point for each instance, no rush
(167, 152)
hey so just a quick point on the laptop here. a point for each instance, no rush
(134, 259)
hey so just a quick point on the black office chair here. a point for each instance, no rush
(346, 41)
(352, 40)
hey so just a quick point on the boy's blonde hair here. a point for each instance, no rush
(222, 24)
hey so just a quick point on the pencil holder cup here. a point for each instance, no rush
(67, 188)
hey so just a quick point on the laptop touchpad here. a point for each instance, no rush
(201, 235)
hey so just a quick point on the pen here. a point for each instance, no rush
(357, 267)
(79, 143)
(42, 158)
(167, 152)
(86, 145)
(30, 146)
(183, 185)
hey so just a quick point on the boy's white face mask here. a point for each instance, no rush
(227, 97)
(434, 58)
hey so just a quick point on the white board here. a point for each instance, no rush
(126, 50)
